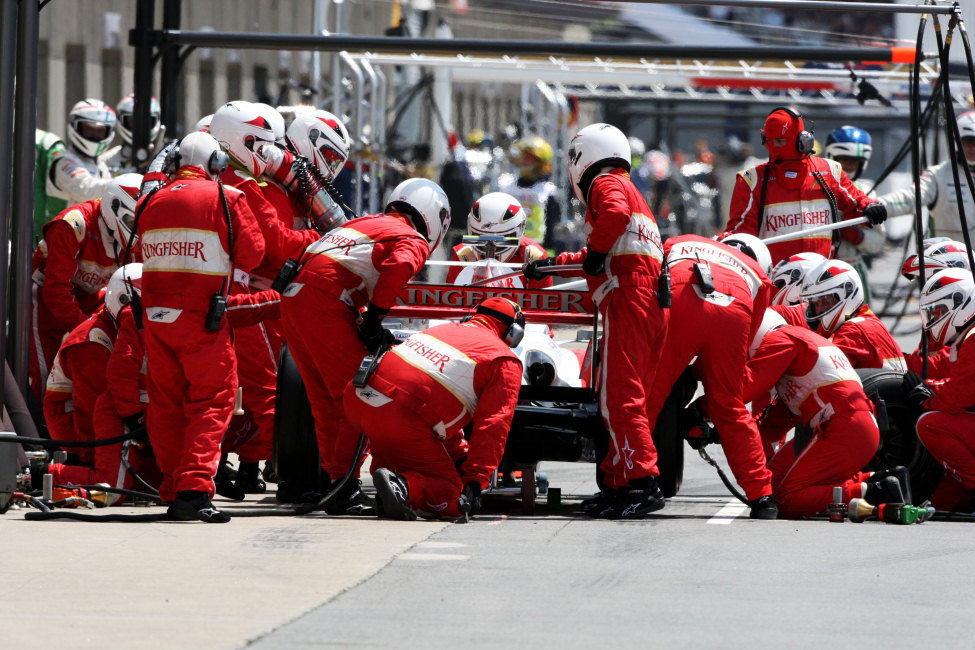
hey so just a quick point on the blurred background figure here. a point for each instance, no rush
(532, 158)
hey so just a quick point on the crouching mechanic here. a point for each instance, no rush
(836, 432)
(77, 256)
(422, 394)
(364, 263)
(500, 215)
(947, 428)
(193, 233)
(835, 309)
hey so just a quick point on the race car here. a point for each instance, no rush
(557, 417)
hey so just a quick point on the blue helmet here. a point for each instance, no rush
(849, 142)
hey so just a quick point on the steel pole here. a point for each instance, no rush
(142, 37)
(624, 51)
(25, 116)
(809, 5)
(8, 58)
(169, 71)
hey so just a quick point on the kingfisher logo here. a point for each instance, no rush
(790, 222)
(434, 295)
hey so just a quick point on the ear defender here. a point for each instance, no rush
(805, 141)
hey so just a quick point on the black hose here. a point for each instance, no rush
(58, 444)
(78, 516)
(948, 515)
(243, 512)
(724, 478)
(954, 139)
(121, 491)
(337, 488)
(124, 457)
(916, 167)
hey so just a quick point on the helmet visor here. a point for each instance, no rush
(331, 157)
(123, 213)
(819, 306)
(784, 280)
(94, 131)
(258, 147)
(933, 314)
(127, 120)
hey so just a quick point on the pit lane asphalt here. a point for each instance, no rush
(686, 578)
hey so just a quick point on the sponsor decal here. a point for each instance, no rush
(789, 222)
(435, 295)
(192, 249)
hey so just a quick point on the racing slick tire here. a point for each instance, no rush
(668, 435)
(899, 442)
(295, 452)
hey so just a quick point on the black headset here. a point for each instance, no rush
(515, 330)
(805, 142)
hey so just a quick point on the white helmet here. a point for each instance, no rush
(123, 282)
(203, 124)
(944, 254)
(118, 211)
(753, 247)
(966, 128)
(320, 137)
(91, 127)
(771, 319)
(243, 132)
(272, 115)
(637, 148)
(126, 121)
(788, 274)
(201, 150)
(833, 293)
(426, 206)
(947, 305)
(593, 148)
(497, 214)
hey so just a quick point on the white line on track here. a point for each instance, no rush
(731, 510)
(432, 557)
(440, 545)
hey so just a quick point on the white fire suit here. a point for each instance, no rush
(78, 178)
(938, 195)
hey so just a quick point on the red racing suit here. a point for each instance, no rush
(259, 344)
(77, 379)
(733, 313)
(821, 389)
(422, 394)
(125, 396)
(794, 202)
(70, 266)
(528, 251)
(865, 341)
(618, 222)
(939, 363)
(369, 259)
(793, 314)
(947, 428)
(192, 370)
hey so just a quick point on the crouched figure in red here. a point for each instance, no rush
(836, 432)
(422, 394)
